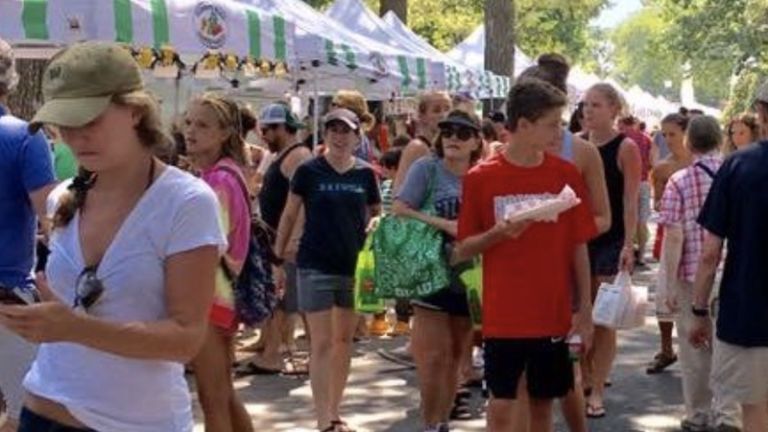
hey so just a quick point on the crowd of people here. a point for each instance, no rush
(140, 237)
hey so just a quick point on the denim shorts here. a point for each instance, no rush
(320, 291)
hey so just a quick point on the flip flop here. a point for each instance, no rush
(341, 426)
(254, 369)
(595, 412)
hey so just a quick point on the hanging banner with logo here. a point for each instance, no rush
(189, 26)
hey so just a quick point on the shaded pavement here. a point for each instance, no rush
(382, 396)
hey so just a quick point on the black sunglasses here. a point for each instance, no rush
(462, 133)
(88, 288)
(267, 128)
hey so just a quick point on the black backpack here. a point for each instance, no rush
(254, 288)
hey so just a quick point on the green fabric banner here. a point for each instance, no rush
(349, 56)
(330, 53)
(280, 44)
(123, 21)
(34, 17)
(421, 73)
(254, 34)
(403, 63)
(160, 22)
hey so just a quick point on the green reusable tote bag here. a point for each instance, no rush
(409, 255)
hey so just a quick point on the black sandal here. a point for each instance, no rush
(341, 426)
(461, 410)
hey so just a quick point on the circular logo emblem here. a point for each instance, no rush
(379, 65)
(211, 24)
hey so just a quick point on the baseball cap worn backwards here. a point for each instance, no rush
(80, 81)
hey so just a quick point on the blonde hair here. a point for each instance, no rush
(150, 133)
(427, 98)
(354, 101)
(228, 114)
(612, 95)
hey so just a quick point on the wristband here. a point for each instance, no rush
(700, 312)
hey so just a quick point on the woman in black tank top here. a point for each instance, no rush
(612, 251)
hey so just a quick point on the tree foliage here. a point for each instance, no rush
(645, 51)
(542, 25)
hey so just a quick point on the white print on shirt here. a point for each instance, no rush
(500, 203)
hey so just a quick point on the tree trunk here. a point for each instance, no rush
(399, 7)
(500, 37)
(28, 95)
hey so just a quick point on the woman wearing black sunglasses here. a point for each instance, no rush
(442, 329)
(133, 255)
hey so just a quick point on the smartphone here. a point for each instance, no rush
(18, 296)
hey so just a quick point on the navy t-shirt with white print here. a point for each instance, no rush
(736, 210)
(336, 210)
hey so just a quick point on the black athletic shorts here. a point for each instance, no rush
(545, 362)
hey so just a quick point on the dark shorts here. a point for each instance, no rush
(604, 258)
(320, 291)
(447, 300)
(31, 422)
(290, 301)
(546, 363)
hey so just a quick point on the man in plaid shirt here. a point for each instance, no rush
(681, 203)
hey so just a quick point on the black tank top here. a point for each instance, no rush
(614, 179)
(274, 190)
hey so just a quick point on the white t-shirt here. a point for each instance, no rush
(106, 392)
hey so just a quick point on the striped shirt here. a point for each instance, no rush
(681, 203)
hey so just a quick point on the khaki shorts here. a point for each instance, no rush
(740, 373)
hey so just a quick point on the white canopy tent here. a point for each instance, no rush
(471, 52)
(455, 77)
(460, 77)
(332, 57)
(159, 30)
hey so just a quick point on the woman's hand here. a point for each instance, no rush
(627, 259)
(449, 226)
(49, 321)
(280, 277)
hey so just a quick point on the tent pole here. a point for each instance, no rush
(315, 113)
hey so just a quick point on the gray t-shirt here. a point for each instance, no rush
(447, 187)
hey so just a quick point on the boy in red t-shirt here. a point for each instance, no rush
(528, 267)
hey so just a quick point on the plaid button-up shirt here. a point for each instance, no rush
(681, 203)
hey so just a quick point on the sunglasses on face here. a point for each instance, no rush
(461, 133)
(88, 289)
(267, 128)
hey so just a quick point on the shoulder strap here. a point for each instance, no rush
(240, 181)
(429, 203)
(705, 168)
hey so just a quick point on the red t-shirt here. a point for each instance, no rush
(526, 281)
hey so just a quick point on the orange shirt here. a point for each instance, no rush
(526, 281)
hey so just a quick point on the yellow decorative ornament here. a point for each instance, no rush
(145, 57)
(248, 67)
(231, 63)
(265, 68)
(210, 61)
(281, 70)
(167, 56)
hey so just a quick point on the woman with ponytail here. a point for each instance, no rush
(133, 257)
(217, 151)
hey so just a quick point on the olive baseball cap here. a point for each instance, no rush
(80, 81)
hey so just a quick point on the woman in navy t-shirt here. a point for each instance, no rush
(338, 193)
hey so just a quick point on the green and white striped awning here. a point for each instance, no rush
(189, 26)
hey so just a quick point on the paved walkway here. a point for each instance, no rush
(382, 396)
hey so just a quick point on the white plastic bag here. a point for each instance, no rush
(619, 305)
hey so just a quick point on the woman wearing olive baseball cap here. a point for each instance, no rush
(134, 251)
